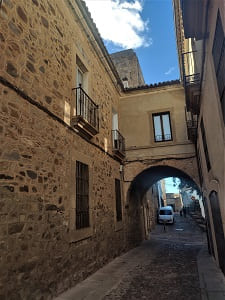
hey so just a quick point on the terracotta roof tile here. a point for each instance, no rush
(155, 85)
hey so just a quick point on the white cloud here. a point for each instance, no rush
(120, 22)
(171, 69)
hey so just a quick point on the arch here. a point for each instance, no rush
(214, 185)
(218, 228)
(145, 179)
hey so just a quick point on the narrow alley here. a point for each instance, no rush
(93, 153)
(164, 267)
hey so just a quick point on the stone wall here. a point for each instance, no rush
(41, 255)
(42, 252)
(38, 256)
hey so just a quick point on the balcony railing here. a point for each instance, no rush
(163, 138)
(192, 79)
(118, 143)
(86, 118)
(192, 125)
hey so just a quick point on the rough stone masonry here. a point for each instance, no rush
(40, 257)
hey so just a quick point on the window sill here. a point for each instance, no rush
(159, 143)
(118, 225)
(77, 235)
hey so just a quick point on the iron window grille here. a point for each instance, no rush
(118, 201)
(205, 146)
(162, 125)
(199, 166)
(82, 195)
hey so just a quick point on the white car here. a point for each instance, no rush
(166, 215)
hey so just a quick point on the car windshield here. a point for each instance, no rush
(165, 212)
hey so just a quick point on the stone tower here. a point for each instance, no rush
(128, 68)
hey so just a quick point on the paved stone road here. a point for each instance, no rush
(166, 265)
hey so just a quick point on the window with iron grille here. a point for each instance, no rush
(199, 166)
(162, 127)
(218, 52)
(205, 146)
(118, 200)
(82, 195)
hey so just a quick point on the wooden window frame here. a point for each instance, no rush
(161, 123)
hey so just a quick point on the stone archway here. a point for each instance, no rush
(185, 168)
(142, 176)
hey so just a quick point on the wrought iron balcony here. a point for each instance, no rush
(118, 144)
(192, 80)
(192, 126)
(86, 119)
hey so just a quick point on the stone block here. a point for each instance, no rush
(15, 228)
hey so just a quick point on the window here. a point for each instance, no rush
(82, 195)
(125, 82)
(218, 53)
(199, 166)
(115, 125)
(82, 74)
(218, 42)
(205, 146)
(80, 78)
(118, 201)
(162, 127)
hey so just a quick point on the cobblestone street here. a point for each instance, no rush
(164, 267)
(167, 267)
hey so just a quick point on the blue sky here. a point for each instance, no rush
(144, 25)
(170, 188)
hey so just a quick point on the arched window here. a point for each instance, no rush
(218, 228)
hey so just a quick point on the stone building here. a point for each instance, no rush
(162, 192)
(157, 143)
(200, 31)
(61, 195)
(174, 200)
(128, 68)
(149, 207)
(63, 212)
(76, 171)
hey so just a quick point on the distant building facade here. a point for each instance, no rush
(128, 68)
(174, 200)
(162, 192)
